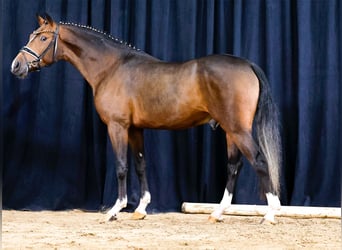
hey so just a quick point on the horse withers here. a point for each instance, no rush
(133, 90)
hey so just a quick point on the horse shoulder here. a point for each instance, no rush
(112, 103)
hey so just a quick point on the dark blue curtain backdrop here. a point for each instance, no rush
(57, 154)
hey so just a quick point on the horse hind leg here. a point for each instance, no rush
(252, 152)
(233, 169)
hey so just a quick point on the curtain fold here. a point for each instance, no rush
(57, 154)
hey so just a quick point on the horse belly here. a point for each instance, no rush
(170, 116)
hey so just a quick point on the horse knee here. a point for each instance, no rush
(121, 172)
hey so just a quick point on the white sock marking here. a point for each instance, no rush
(144, 201)
(224, 204)
(119, 204)
(273, 206)
(273, 201)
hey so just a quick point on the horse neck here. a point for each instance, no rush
(91, 55)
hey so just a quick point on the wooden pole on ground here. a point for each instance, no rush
(259, 210)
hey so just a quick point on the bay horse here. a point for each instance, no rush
(133, 90)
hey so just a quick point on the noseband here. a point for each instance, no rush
(38, 58)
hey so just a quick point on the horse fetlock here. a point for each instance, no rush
(269, 218)
(119, 204)
(144, 201)
(224, 204)
(146, 198)
(274, 207)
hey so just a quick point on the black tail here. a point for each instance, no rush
(267, 129)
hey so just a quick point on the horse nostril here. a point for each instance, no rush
(17, 65)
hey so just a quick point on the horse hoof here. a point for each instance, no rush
(138, 216)
(213, 219)
(111, 218)
(269, 218)
(266, 221)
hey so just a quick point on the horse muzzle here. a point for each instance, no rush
(19, 68)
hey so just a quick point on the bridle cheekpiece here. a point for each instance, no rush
(34, 65)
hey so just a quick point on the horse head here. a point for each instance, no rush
(41, 49)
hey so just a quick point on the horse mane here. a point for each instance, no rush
(103, 34)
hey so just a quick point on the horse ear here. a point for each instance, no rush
(40, 20)
(48, 18)
(44, 20)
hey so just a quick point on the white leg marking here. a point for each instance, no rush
(273, 207)
(144, 201)
(224, 204)
(119, 204)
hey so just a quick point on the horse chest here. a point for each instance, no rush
(112, 108)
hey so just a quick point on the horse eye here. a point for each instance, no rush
(43, 38)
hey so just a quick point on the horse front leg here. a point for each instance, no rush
(119, 139)
(136, 141)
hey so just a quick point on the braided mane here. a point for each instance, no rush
(116, 40)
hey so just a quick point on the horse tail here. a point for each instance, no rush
(266, 123)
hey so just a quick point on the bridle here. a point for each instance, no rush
(34, 65)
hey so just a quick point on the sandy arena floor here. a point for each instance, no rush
(83, 230)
